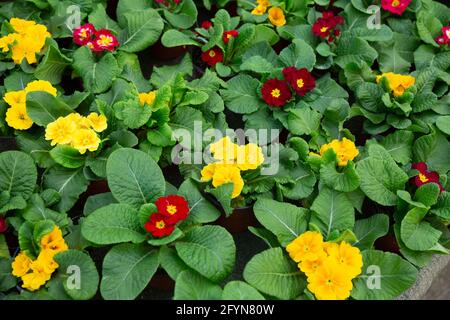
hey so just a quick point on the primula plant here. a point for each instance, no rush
(216, 149)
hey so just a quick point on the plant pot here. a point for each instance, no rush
(162, 281)
(239, 220)
(388, 243)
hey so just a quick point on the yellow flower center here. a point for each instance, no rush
(105, 40)
(395, 3)
(83, 33)
(329, 282)
(21, 116)
(300, 83)
(324, 29)
(171, 209)
(160, 224)
(276, 93)
(228, 36)
(306, 248)
(423, 178)
(212, 54)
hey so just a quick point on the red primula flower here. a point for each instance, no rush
(174, 208)
(104, 41)
(425, 176)
(440, 40)
(395, 6)
(276, 92)
(228, 34)
(157, 225)
(177, 1)
(325, 27)
(83, 34)
(3, 225)
(206, 24)
(300, 80)
(446, 34)
(212, 56)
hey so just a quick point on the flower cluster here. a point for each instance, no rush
(212, 56)
(345, 150)
(231, 160)
(96, 40)
(43, 267)
(395, 6)
(171, 210)
(16, 115)
(276, 14)
(326, 26)
(445, 38)
(227, 35)
(77, 131)
(397, 83)
(27, 40)
(276, 93)
(330, 267)
(425, 176)
(147, 98)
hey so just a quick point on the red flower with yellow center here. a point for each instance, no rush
(395, 6)
(300, 80)
(212, 56)
(158, 226)
(83, 34)
(174, 208)
(207, 24)
(425, 176)
(104, 41)
(276, 92)
(227, 35)
(325, 27)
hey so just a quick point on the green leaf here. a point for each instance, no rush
(67, 156)
(302, 184)
(143, 28)
(38, 149)
(100, 19)
(298, 54)
(428, 26)
(354, 50)
(346, 180)
(201, 210)
(70, 184)
(433, 149)
(396, 55)
(127, 270)
(399, 145)
(370, 229)
(114, 223)
(97, 75)
(239, 290)
(134, 177)
(418, 258)
(26, 241)
(132, 113)
(332, 210)
(223, 195)
(7, 280)
(241, 94)
(443, 123)
(210, 250)
(285, 220)
(18, 174)
(442, 208)
(257, 64)
(185, 15)
(303, 120)
(4, 250)
(383, 33)
(162, 75)
(417, 234)
(171, 262)
(427, 194)
(174, 38)
(42, 228)
(330, 92)
(386, 271)
(265, 235)
(52, 66)
(275, 274)
(79, 274)
(36, 211)
(176, 234)
(192, 286)
(44, 108)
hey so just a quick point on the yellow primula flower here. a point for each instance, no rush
(21, 25)
(345, 150)
(259, 10)
(330, 281)
(307, 246)
(228, 173)
(249, 157)
(79, 121)
(224, 150)
(15, 97)
(147, 98)
(397, 83)
(98, 122)
(46, 260)
(308, 267)
(21, 264)
(41, 85)
(276, 17)
(34, 280)
(8, 40)
(17, 117)
(84, 140)
(60, 131)
(348, 256)
(54, 241)
(207, 172)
